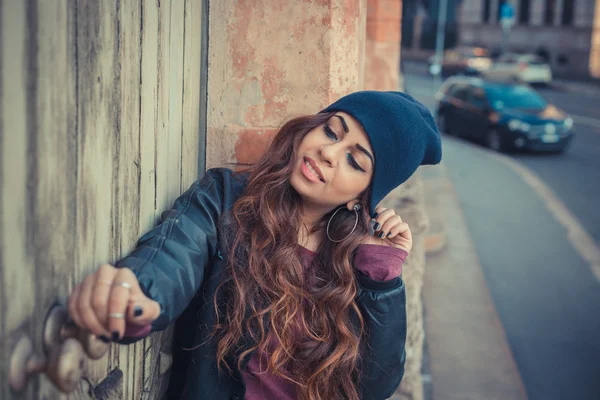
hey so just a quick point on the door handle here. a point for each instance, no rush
(65, 347)
(58, 328)
(64, 365)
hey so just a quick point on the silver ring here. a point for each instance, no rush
(123, 284)
(116, 315)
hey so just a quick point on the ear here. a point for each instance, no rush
(350, 205)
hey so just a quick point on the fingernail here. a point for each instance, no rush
(115, 336)
(389, 234)
(137, 311)
(104, 338)
(375, 215)
(381, 235)
(377, 226)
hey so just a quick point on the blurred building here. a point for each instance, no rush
(419, 23)
(565, 32)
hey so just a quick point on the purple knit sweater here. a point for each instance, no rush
(380, 263)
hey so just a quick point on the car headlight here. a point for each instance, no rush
(568, 123)
(514, 124)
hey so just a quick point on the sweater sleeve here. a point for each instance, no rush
(379, 263)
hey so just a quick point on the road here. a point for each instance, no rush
(542, 286)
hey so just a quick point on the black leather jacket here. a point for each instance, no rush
(179, 264)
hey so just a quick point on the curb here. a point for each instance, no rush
(435, 242)
(435, 179)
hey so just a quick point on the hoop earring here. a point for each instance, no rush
(356, 208)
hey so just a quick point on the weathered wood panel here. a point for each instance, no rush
(18, 268)
(128, 193)
(99, 133)
(51, 155)
(99, 107)
(191, 92)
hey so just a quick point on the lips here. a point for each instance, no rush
(314, 168)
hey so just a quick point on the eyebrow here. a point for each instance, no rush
(358, 146)
(344, 124)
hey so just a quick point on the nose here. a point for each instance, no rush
(330, 153)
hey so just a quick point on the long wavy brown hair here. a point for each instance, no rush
(309, 326)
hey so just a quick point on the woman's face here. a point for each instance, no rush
(334, 163)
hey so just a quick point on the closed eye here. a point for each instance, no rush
(351, 160)
(330, 133)
(354, 164)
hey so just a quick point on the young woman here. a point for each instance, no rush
(284, 280)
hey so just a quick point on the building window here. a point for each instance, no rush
(567, 12)
(550, 11)
(487, 5)
(498, 11)
(524, 7)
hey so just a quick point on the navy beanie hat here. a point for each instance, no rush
(402, 132)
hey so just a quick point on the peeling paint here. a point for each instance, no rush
(272, 59)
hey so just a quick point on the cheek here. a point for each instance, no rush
(349, 184)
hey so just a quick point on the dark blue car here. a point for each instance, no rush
(505, 115)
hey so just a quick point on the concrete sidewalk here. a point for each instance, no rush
(469, 357)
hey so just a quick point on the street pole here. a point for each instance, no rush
(439, 42)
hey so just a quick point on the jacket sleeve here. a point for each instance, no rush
(171, 260)
(383, 308)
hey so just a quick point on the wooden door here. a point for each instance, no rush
(101, 128)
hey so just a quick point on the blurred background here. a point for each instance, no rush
(110, 109)
(514, 88)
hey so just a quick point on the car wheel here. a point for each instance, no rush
(494, 141)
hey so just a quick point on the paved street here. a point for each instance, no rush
(541, 284)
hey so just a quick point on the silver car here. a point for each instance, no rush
(528, 68)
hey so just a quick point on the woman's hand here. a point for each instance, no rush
(390, 230)
(107, 300)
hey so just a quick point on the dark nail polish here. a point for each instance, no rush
(115, 336)
(375, 215)
(377, 226)
(137, 311)
(381, 235)
(104, 338)
(389, 234)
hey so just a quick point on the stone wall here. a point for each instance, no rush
(271, 60)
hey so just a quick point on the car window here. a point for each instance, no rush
(460, 92)
(534, 60)
(477, 97)
(448, 88)
(505, 96)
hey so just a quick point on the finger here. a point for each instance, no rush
(392, 222)
(118, 301)
(102, 288)
(382, 218)
(143, 311)
(400, 229)
(84, 307)
(73, 301)
(401, 235)
(378, 211)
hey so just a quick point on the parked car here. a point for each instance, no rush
(504, 115)
(528, 68)
(463, 60)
